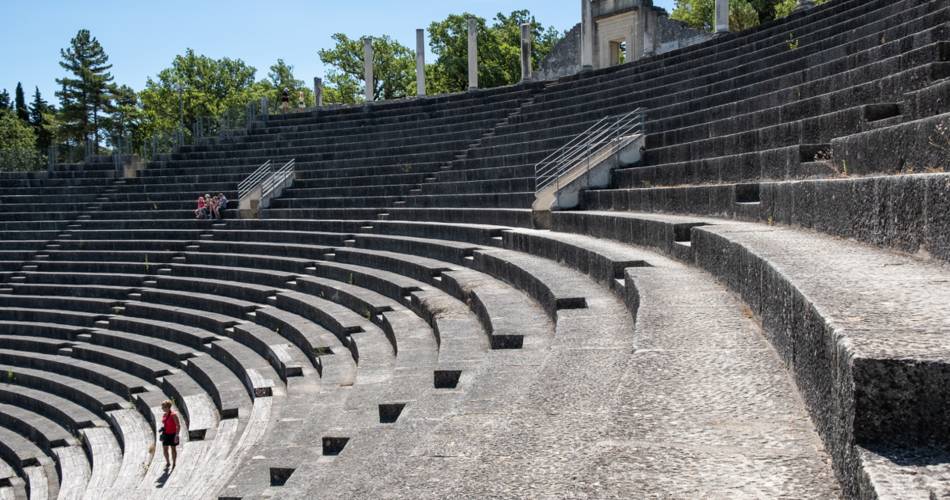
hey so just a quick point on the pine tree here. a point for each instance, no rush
(86, 90)
(4, 99)
(20, 105)
(39, 118)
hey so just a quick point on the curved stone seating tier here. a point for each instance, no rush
(74, 471)
(503, 356)
(509, 217)
(38, 429)
(35, 467)
(843, 348)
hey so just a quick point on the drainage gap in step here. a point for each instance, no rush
(747, 194)
(571, 303)
(447, 379)
(280, 475)
(389, 413)
(332, 446)
(683, 233)
(503, 342)
(875, 112)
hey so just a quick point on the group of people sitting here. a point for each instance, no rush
(211, 207)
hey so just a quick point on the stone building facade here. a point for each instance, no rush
(612, 32)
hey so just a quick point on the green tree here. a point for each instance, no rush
(196, 87)
(126, 120)
(499, 50)
(17, 143)
(280, 77)
(393, 69)
(86, 90)
(785, 7)
(4, 99)
(743, 14)
(41, 119)
(699, 14)
(20, 104)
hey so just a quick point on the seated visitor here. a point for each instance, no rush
(216, 207)
(201, 211)
(222, 205)
(212, 206)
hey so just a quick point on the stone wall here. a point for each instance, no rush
(564, 59)
(672, 35)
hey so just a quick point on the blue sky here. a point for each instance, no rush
(142, 38)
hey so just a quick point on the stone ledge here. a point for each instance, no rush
(866, 350)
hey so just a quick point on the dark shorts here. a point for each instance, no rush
(169, 439)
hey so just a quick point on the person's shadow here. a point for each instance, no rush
(160, 482)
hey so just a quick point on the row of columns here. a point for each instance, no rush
(587, 50)
(368, 76)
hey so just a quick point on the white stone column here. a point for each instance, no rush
(722, 16)
(317, 91)
(368, 69)
(587, 35)
(472, 54)
(649, 32)
(526, 69)
(420, 62)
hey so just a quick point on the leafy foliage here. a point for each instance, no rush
(42, 117)
(86, 91)
(393, 69)
(17, 143)
(785, 7)
(743, 14)
(499, 50)
(193, 87)
(700, 14)
(20, 104)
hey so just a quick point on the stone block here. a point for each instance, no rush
(869, 213)
(938, 216)
(905, 219)
(803, 203)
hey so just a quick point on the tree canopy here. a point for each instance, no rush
(393, 69)
(499, 50)
(86, 90)
(17, 143)
(499, 58)
(196, 89)
(743, 14)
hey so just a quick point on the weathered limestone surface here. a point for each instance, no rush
(691, 402)
(861, 329)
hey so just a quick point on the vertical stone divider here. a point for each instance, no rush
(649, 31)
(722, 16)
(587, 35)
(526, 69)
(420, 62)
(368, 69)
(472, 54)
(317, 91)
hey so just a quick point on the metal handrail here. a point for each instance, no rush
(278, 178)
(255, 179)
(601, 137)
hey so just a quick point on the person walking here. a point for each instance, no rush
(171, 425)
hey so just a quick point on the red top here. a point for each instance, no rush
(169, 423)
(201, 202)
